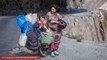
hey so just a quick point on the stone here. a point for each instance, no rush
(88, 25)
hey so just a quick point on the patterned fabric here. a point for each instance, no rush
(51, 16)
(57, 33)
(32, 40)
(42, 24)
(55, 43)
(55, 16)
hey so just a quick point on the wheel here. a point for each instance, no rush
(43, 50)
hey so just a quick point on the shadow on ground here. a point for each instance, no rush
(74, 11)
(23, 52)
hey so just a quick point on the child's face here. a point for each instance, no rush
(42, 18)
(53, 10)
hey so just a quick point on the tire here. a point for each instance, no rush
(43, 51)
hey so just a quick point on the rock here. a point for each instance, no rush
(86, 4)
(93, 4)
(104, 6)
(74, 4)
(88, 25)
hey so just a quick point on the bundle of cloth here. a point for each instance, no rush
(32, 32)
(27, 36)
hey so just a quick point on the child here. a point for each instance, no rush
(42, 23)
(53, 16)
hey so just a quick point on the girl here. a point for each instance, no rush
(53, 20)
(42, 23)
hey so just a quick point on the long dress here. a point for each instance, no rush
(57, 33)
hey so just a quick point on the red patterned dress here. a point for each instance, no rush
(57, 33)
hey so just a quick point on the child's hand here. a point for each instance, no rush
(48, 31)
(54, 22)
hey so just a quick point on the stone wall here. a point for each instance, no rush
(88, 25)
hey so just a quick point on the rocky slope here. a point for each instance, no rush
(86, 4)
(104, 6)
(88, 25)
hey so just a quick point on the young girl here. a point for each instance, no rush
(53, 17)
(42, 23)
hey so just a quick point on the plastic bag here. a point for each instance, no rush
(22, 23)
(22, 40)
(21, 20)
(29, 17)
(34, 16)
(47, 38)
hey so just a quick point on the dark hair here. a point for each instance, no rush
(40, 15)
(56, 7)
